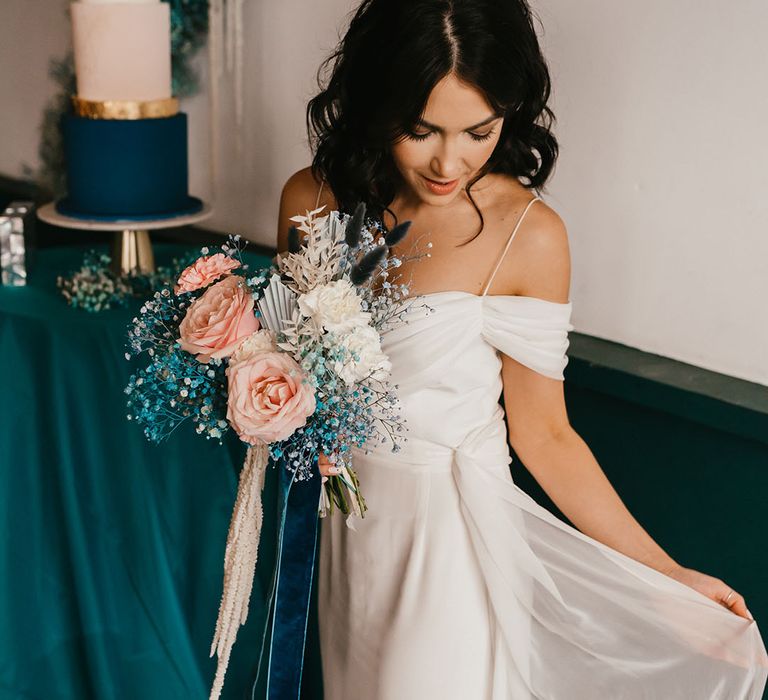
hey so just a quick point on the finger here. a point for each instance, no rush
(736, 604)
(323, 462)
(740, 607)
(327, 467)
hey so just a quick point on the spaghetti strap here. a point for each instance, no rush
(319, 192)
(509, 242)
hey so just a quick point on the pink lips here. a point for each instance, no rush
(440, 187)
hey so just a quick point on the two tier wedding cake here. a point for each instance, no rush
(125, 141)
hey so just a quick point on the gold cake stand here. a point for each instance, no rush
(131, 246)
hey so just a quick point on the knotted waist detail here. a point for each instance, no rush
(486, 444)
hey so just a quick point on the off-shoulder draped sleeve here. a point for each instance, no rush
(530, 330)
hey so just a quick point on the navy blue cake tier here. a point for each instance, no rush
(126, 168)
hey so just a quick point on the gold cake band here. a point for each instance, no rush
(125, 109)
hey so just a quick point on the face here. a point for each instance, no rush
(455, 138)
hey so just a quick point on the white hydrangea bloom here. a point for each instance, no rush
(334, 306)
(365, 342)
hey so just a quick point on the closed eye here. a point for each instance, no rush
(481, 137)
(475, 137)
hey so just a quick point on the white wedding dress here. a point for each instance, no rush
(457, 585)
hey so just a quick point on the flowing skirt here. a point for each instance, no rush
(457, 585)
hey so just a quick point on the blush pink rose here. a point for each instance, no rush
(217, 321)
(203, 271)
(267, 398)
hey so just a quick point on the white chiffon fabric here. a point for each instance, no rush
(457, 585)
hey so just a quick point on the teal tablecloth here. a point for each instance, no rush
(112, 548)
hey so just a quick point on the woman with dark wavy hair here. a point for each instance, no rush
(457, 585)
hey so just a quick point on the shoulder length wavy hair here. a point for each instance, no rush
(384, 69)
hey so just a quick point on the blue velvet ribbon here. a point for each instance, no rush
(289, 598)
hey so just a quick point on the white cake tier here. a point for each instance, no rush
(122, 49)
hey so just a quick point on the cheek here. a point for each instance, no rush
(483, 150)
(410, 154)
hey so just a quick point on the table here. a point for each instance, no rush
(113, 548)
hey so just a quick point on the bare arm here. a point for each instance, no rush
(539, 429)
(567, 470)
(555, 454)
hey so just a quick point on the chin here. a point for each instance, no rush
(441, 200)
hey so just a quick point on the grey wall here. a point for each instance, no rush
(661, 113)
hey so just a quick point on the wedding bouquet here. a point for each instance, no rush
(289, 358)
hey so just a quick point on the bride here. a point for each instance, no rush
(456, 585)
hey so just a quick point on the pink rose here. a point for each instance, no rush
(216, 322)
(204, 271)
(267, 398)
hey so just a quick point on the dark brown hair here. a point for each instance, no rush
(384, 69)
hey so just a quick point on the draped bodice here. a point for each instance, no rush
(446, 357)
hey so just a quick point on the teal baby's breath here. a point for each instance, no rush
(174, 387)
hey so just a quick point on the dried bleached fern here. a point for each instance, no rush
(317, 263)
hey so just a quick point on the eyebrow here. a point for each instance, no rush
(490, 119)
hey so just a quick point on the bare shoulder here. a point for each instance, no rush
(298, 196)
(546, 253)
(538, 263)
(302, 185)
(546, 233)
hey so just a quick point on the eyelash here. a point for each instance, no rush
(475, 137)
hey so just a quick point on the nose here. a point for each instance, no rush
(446, 162)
